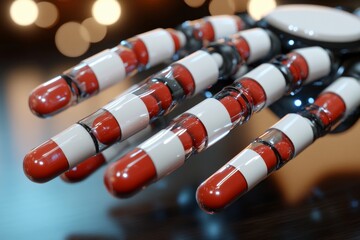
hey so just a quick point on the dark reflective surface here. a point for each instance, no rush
(316, 196)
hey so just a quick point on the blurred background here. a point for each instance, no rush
(315, 196)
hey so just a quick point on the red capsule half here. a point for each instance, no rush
(184, 77)
(130, 174)
(140, 50)
(45, 162)
(84, 169)
(106, 128)
(221, 189)
(50, 97)
(334, 105)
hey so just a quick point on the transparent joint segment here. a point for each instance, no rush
(154, 47)
(232, 59)
(191, 133)
(320, 122)
(294, 68)
(140, 51)
(164, 90)
(192, 44)
(133, 111)
(325, 114)
(160, 95)
(252, 93)
(82, 81)
(203, 31)
(129, 59)
(274, 143)
(320, 118)
(103, 129)
(238, 102)
(241, 46)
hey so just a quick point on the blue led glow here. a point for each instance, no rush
(297, 102)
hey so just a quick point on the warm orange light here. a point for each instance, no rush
(95, 31)
(24, 12)
(259, 8)
(106, 12)
(194, 3)
(70, 41)
(218, 7)
(48, 15)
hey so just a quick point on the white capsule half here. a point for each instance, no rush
(203, 68)
(259, 43)
(298, 129)
(270, 79)
(251, 165)
(159, 44)
(76, 144)
(166, 152)
(130, 112)
(348, 89)
(215, 118)
(223, 25)
(108, 68)
(318, 61)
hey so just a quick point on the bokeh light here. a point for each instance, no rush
(95, 31)
(48, 15)
(259, 8)
(24, 12)
(240, 5)
(218, 7)
(106, 12)
(194, 3)
(70, 41)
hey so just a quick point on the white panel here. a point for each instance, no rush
(223, 25)
(317, 23)
(166, 151)
(348, 89)
(318, 61)
(259, 43)
(203, 69)
(76, 144)
(271, 80)
(130, 113)
(159, 44)
(108, 68)
(251, 165)
(297, 129)
(214, 117)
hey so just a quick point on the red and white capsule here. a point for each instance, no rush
(192, 133)
(104, 70)
(58, 154)
(345, 88)
(153, 47)
(153, 99)
(252, 45)
(125, 116)
(90, 165)
(284, 140)
(216, 27)
(233, 105)
(253, 164)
